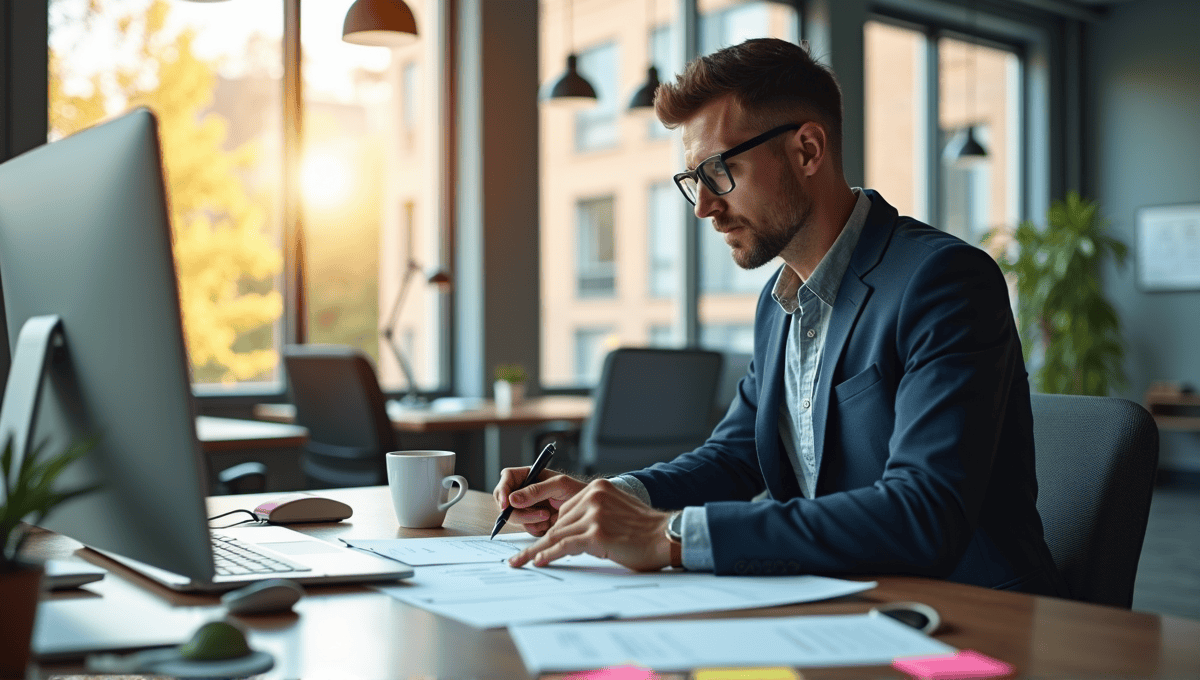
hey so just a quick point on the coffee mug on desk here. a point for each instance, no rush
(420, 483)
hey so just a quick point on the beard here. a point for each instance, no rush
(758, 244)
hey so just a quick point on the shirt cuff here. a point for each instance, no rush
(631, 486)
(697, 543)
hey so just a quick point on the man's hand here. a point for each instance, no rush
(604, 521)
(536, 506)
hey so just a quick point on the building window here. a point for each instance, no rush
(596, 265)
(591, 346)
(666, 218)
(598, 126)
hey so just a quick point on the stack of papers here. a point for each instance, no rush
(863, 639)
(468, 579)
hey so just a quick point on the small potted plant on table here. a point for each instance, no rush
(509, 387)
(27, 495)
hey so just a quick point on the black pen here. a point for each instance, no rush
(540, 464)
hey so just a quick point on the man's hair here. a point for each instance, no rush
(775, 82)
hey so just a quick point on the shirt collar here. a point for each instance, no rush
(826, 279)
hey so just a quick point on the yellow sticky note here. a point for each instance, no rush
(745, 674)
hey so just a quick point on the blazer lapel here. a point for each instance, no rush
(851, 298)
(766, 426)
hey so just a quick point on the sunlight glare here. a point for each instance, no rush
(326, 179)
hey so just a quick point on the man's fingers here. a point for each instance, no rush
(529, 516)
(553, 488)
(572, 545)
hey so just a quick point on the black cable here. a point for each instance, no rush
(254, 518)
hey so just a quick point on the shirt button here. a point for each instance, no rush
(812, 333)
(806, 403)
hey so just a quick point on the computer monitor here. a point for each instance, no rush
(85, 235)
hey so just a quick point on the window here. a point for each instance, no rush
(650, 305)
(591, 346)
(212, 76)
(368, 200)
(914, 126)
(597, 127)
(596, 271)
(666, 218)
(729, 337)
(979, 89)
(664, 57)
(728, 292)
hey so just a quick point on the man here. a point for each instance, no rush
(885, 416)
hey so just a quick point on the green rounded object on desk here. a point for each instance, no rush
(216, 641)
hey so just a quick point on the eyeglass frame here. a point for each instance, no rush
(724, 156)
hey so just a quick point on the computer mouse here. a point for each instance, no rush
(273, 596)
(302, 507)
(913, 614)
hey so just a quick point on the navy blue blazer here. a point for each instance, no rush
(922, 421)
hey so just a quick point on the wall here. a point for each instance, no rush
(1142, 101)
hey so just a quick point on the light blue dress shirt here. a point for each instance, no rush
(810, 305)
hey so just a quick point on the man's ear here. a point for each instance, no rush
(810, 147)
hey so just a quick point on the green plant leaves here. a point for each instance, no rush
(1061, 308)
(30, 490)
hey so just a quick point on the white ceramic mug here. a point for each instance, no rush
(420, 483)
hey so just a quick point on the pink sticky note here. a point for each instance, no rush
(966, 663)
(616, 673)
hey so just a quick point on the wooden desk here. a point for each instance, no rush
(351, 631)
(228, 442)
(533, 411)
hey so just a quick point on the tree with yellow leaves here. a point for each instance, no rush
(225, 259)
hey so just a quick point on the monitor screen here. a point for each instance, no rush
(85, 235)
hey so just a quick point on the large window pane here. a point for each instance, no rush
(591, 304)
(598, 127)
(894, 75)
(728, 292)
(978, 89)
(212, 75)
(369, 194)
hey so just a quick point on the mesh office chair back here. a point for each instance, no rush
(338, 399)
(1096, 462)
(651, 405)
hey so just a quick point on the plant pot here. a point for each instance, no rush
(508, 395)
(20, 587)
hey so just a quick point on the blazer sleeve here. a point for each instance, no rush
(957, 354)
(724, 468)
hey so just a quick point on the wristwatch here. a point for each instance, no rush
(674, 534)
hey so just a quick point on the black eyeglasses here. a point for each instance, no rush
(713, 171)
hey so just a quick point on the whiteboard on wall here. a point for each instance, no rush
(1168, 247)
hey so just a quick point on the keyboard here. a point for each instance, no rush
(234, 557)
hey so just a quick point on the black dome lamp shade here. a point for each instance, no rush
(571, 88)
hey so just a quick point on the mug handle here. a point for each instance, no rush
(462, 490)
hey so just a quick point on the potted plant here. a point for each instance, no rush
(29, 494)
(1062, 312)
(509, 387)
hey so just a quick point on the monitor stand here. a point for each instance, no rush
(40, 340)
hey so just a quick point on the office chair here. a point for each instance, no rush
(1096, 462)
(733, 369)
(338, 399)
(649, 406)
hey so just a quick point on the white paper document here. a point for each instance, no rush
(812, 641)
(582, 587)
(454, 550)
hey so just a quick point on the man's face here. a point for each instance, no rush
(768, 206)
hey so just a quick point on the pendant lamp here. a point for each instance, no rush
(643, 98)
(571, 88)
(381, 23)
(969, 151)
